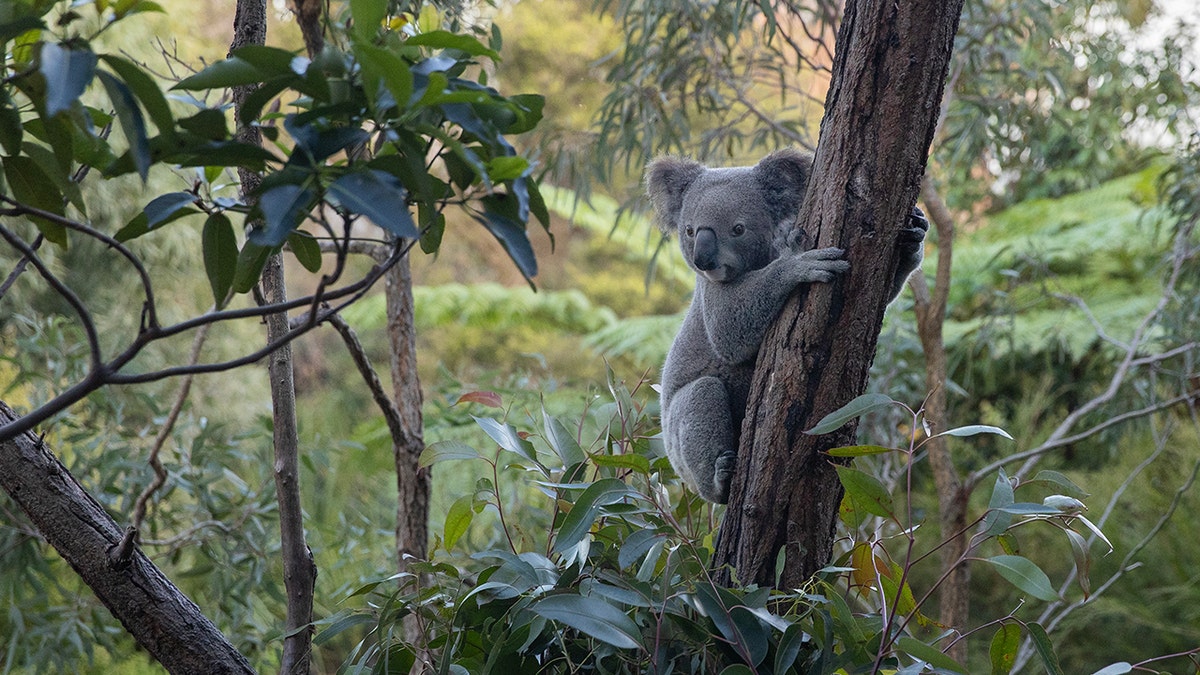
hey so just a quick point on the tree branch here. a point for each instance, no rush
(390, 412)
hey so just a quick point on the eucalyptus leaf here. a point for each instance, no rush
(219, 247)
(1025, 575)
(590, 616)
(1003, 650)
(67, 72)
(857, 407)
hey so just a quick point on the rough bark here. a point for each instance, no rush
(158, 615)
(299, 570)
(412, 481)
(953, 495)
(880, 114)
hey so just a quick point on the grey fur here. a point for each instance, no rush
(735, 227)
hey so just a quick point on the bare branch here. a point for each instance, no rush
(20, 267)
(390, 413)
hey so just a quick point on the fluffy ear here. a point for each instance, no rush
(783, 178)
(667, 178)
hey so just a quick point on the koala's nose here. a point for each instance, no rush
(704, 250)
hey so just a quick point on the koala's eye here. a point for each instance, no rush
(689, 231)
(739, 229)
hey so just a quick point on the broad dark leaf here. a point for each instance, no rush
(440, 39)
(31, 186)
(132, 122)
(513, 238)
(320, 143)
(67, 72)
(306, 249)
(591, 616)
(147, 91)
(220, 256)
(378, 196)
(283, 208)
(250, 262)
(163, 207)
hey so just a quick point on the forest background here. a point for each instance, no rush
(1066, 128)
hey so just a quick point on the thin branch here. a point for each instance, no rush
(21, 264)
(390, 412)
(85, 317)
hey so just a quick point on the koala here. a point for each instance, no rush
(736, 230)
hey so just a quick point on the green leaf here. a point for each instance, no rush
(31, 186)
(1003, 651)
(1083, 560)
(219, 245)
(146, 90)
(272, 61)
(506, 437)
(11, 129)
(441, 39)
(230, 72)
(132, 122)
(1025, 575)
(250, 264)
(382, 66)
(306, 249)
(442, 451)
(1030, 509)
(637, 463)
(341, 625)
(974, 430)
(368, 15)
(284, 208)
(590, 616)
(67, 72)
(162, 207)
(859, 451)
(511, 235)
(1041, 642)
(1057, 480)
(866, 491)
(931, 655)
(458, 519)
(997, 521)
(378, 196)
(1095, 530)
(22, 25)
(1115, 669)
(789, 648)
(861, 405)
(637, 545)
(562, 441)
(585, 510)
(501, 169)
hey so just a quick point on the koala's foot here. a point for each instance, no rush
(723, 475)
(912, 237)
(819, 265)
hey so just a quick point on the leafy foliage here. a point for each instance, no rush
(619, 580)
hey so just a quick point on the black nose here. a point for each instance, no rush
(704, 250)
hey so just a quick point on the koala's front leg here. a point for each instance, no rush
(737, 314)
(700, 439)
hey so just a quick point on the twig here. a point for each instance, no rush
(21, 264)
(390, 412)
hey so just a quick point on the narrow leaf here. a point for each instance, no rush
(230, 72)
(146, 89)
(1083, 560)
(1041, 642)
(590, 616)
(1115, 669)
(997, 521)
(506, 437)
(250, 264)
(585, 510)
(1091, 526)
(442, 39)
(1059, 481)
(1003, 651)
(974, 430)
(931, 655)
(132, 122)
(859, 451)
(563, 442)
(1025, 575)
(488, 398)
(442, 451)
(861, 405)
(220, 256)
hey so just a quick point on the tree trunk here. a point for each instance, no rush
(930, 307)
(158, 615)
(880, 113)
(299, 571)
(412, 481)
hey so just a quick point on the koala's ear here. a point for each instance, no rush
(783, 177)
(667, 178)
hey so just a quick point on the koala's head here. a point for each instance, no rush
(728, 220)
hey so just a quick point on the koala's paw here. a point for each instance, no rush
(798, 240)
(723, 474)
(820, 265)
(912, 237)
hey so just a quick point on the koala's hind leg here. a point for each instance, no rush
(700, 439)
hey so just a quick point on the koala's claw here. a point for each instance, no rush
(917, 220)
